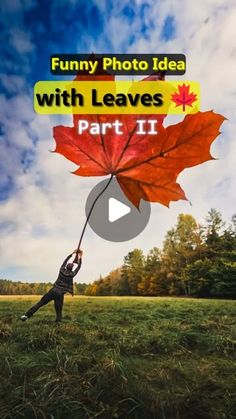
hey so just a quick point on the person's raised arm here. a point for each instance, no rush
(79, 262)
(66, 260)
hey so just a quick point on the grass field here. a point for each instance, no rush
(119, 358)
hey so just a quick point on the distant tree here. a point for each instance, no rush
(132, 270)
(233, 221)
(181, 246)
(114, 278)
(152, 279)
(88, 290)
(79, 288)
(206, 279)
(224, 279)
(198, 278)
(123, 286)
(104, 286)
(213, 228)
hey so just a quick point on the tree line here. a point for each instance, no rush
(8, 287)
(196, 260)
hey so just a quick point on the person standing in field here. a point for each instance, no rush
(63, 284)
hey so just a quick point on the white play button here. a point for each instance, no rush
(117, 210)
(113, 216)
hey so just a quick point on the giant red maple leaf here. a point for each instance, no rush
(146, 166)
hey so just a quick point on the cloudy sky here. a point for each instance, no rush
(41, 203)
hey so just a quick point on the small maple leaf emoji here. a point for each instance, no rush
(183, 97)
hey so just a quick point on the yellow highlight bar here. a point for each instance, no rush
(120, 97)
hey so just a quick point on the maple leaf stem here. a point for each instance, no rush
(89, 215)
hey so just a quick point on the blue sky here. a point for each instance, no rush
(37, 227)
(40, 28)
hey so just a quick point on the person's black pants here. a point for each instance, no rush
(51, 295)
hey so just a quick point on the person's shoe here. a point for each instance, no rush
(24, 318)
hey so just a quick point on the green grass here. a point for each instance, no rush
(119, 358)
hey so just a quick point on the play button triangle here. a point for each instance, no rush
(117, 210)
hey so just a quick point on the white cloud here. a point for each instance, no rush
(21, 41)
(13, 84)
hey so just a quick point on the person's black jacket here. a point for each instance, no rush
(64, 282)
